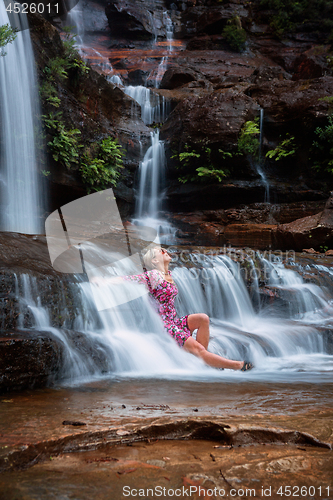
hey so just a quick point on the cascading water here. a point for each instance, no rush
(149, 198)
(129, 340)
(162, 67)
(258, 165)
(20, 189)
(154, 108)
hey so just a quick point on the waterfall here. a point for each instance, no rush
(162, 67)
(258, 165)
(151, 173)
(261, 132)
(168, 29)
(154, 108)
(74, 19)
(129, 339)
(150, 194)
(20, 135)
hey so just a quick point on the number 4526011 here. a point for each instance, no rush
(25, 8)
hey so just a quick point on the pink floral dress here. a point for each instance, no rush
(164, 294)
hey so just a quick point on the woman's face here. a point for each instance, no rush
(161, 256)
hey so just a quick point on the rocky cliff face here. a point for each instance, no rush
(95, 107)
(213, 90)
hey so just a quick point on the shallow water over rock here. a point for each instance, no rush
(142, 433)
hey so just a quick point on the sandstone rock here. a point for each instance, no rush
(176, 77)
(250, 235)
(309, 250)
(138, 19)
(91, 104)
(329, 253)
(287, 101)
(215, 118)
(316, 230)
(27, 359)
(210, 20)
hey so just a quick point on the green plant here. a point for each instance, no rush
(287, 147)
(64, 144)
(56, 69)
(101, 164)
(7, 35)
(49, 93)
(323, 248)
(71, 53)
(248, 140)
(329, 100)
(194, 170)
(211, 173)
(286, 15)
(322, 147)
(234, 34)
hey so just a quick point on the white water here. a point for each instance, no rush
(168, 29)
(150, 194)
(258, 165)
(20, 190)
(129, 340)
(154, 108)
(74, 19)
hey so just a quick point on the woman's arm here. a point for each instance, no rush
(148, 278)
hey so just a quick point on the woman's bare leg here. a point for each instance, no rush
(200, 322)
(209, 358)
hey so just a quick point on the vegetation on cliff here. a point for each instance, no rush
(309, 15)
(99, 162)
(7, 35)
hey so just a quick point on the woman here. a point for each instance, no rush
(162, 287)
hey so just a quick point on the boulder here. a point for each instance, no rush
(315, 231)
(176, 76)
(28, 359)
(210, 20)
(293, 101)
(215, 118)
(136, 19)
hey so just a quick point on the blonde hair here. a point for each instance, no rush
(149, 256)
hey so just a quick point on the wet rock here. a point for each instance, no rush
(211, 20)
(286, 101)
(91, 104)
(75, 423)
(138, 19)
(28, 359)
(215, 118)
(176, 77)
(309, 250)
(250, 235)
(316, 230)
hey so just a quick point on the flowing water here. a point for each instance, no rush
(129, 341)
(150, 191)
(20, 134)
(258, 165)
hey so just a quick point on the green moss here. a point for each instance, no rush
(234, 34)
(248, 140)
